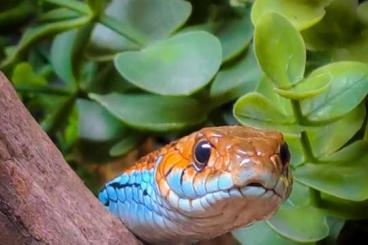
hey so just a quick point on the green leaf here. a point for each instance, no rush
(153, 112)
(335, 225)
(61, 56)
(16, 14)
(297, 219)
(302, 224)
(280, 50)
(306, 88)
(302, 13)
(260, 233)
(25, 77)
(127, 143)
(324, 140)
(338, 27)
(180, 65)
(70, 134)
(348, 87)
(356, 50)
(344, 174)
(150, 20)
(96, 123)
(256, 110)
(362, 11)
(299, 196)
(267, 89)
(234, 33)
(59, 113)
(36, 33)
(295, 147)
(236, 80)
(344, 209)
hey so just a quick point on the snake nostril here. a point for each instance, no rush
(284, 154)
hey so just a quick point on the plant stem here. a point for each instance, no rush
(307, 148)
(304, 140)
(297, 111)
(73, 5)
(315, 195)
(43, 90)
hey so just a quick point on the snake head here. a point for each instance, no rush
(222, 178)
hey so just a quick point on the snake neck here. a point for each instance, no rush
(134, 198)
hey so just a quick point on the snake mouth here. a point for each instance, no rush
(257, 189)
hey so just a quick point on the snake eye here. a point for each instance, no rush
(202, 153)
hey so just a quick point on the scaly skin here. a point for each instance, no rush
(165, 199)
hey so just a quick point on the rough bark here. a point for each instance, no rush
(42, 200)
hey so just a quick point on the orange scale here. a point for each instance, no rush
(130, 170)
(219, 164)
(182, 164)
(189, 174)
(174, 160)
(166, 165)
(185, 147)
(163, 187)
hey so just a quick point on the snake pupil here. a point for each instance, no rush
(202, 153)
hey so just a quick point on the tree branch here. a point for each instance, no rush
(42, 200)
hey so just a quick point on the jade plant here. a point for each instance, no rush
(103, 76)
(319, 113)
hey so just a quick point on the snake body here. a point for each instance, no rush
(203, 185)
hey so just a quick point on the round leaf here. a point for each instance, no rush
(307, 88)
(337, 28)
(236, 80)
(299, 196)
(302, 13)
(362, 11)
(127, 143)
(256, 110)
(343, 174)
(96, 123)
(260, 233)
(153, 112)
(344, 209)
(324, 140)
(280, 50)
(303, 224)
(180, 65)
(149, 19)
(296, 149)
(356, 50)
(25, 77)
(234, 33)
(348, 87)
(61, 56)
(267, 89)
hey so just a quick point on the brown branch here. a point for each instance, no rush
(42, 200)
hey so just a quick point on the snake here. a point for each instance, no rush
(203, 185)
